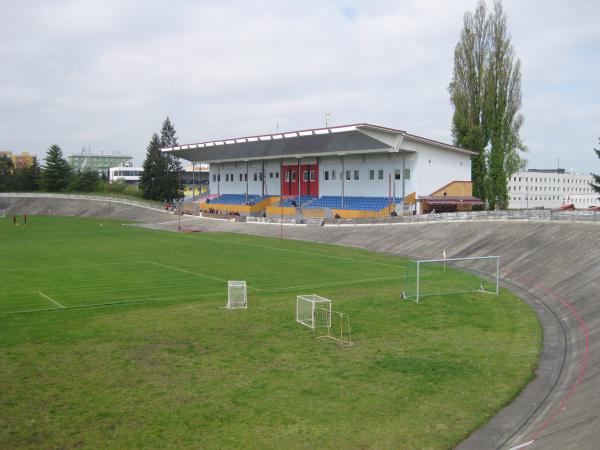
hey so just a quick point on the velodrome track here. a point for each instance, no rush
(554, 266)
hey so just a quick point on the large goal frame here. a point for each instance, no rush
(486, 280)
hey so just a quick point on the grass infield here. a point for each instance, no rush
(111, 336)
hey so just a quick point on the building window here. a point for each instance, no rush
(219, 178)
(276, 175)
(305, 175)
(326, 175)
(260, 176)
(380, 174)
(293, 176)
(241, 177)
(356, 175)
(245, 177)
(407, 174)
(333, 174)
(348, 175)
(226, 177)
(287, 177)
(230, 177)
(270, 174)
(312, 175)
(371, 175)
(214, 177)
(397, 174)
(255, 176)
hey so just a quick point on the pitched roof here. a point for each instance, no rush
(311, 142)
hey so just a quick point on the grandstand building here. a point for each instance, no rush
(359, 170)
(553, 188)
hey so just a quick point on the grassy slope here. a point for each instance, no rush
(180, 372)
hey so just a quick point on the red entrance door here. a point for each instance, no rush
(303, 178)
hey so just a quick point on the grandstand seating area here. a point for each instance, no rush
(237, 199)
(353, 203)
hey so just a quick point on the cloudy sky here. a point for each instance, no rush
(104, 73)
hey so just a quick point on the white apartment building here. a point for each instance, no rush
(537, 188)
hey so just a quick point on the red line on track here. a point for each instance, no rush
(584, 360)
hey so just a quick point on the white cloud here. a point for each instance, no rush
(106, 73)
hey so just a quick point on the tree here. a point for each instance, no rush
(486, 95)
(56, 173)
(596, 184)
(168, 138)
(6, 173)
(155, 170)
(85, 181)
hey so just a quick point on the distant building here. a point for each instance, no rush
(19, 161)
(97, 162)
(539, 188)
(129, 175)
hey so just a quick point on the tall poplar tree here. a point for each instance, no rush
(596, 183)
(56, 173)
(486, 95)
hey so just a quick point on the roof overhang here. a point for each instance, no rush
(348, 139)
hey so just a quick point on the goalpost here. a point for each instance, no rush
(314, 311)
(451, 276)
(237, 296)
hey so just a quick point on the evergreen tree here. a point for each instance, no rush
(486, 95)
(155, 169)
(596, 184)
(34, 175)
(168, 138)
(6, 173)
(56, 173)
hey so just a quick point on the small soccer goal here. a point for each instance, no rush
(2, 213)
(237, 296)
(451, 276)
(311, 311)
(315, 312)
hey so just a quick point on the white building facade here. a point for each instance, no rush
(551, 189)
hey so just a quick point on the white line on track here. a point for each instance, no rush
(51, 299)
(526, 444)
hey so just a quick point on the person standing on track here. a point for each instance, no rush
(24, 219)
(15, 221)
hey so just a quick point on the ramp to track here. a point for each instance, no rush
(554, 266)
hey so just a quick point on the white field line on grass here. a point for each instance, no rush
(194, 273)
(526, 444)
(333, 283)
(288, 250)
(125, 302)
(175, 221)
(86, 266)
(51, 299)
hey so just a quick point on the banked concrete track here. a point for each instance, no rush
(554, 266)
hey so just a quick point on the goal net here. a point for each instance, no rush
(451, 276)
(2, 213)
(236, 295)
(313, 311)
